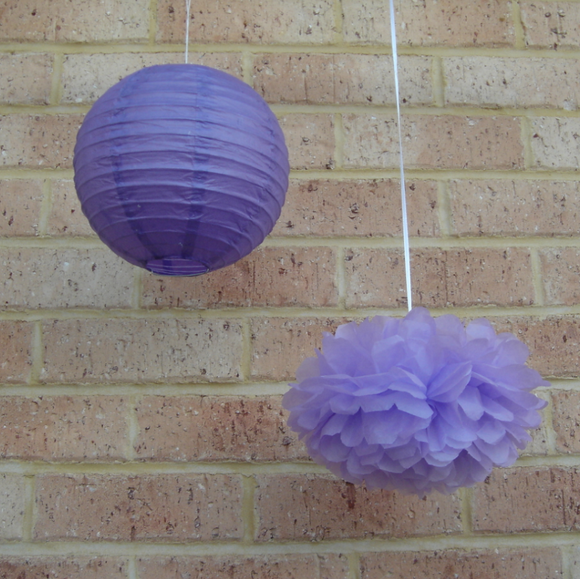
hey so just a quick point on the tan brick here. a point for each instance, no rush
(210, 428)
(433, 142)
(561, 275)
(64, 278)
(20, 202)
(279, 345)
(86, 77)
(341, 78)
(272, 22)
(12, 506)
(257, 567)
(61, 568)
(566, 421)
(505, 82)
(166, 507)
(26, 78)
(522, 563)
(514, 208)
(533, 499)
(554, 342)
(430, 22)
(555, 143)
(461, 277)
(16, 348)
(38, 141)
(363, 207)
(310, 140)
(317, 507)
(551, 24)
(269, 276)
(72, 428)
(185, 350)
(82, 21)
(66, 216)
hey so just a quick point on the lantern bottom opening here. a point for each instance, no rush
(176, 266)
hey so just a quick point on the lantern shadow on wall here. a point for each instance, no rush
(181, 169)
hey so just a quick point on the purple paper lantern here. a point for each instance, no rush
(181, 169)
(415, 404)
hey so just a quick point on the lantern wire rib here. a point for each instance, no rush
(407, 250)
(187, 10)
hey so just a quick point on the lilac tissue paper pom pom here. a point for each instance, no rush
(416, 404)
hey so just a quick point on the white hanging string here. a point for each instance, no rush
(187, 8)
(401, 166)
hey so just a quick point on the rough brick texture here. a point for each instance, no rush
(502, 504)
(514, 208)
(215, 428)
(128, 508)
(63, 568)
(11, 506)
(69, 278)
(376, 277)
(313, 508)
(71, 428)
(66, 216)
(267, 277)
(362, 207)
(171, 351)
(446, 23)
(566, 420)
(38, 141)
(550, 24)
(475, 564)
(265, 567)
(26, 78)
(279, 345)
(20, 202)
(275, 22)
(330, 78)
(61, 21)
(16, 346)
(444, 142)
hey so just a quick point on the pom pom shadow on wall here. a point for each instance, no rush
(181, 169)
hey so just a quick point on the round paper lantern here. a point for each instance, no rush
(416, 404)
(181, 169)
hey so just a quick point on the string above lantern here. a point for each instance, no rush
(415, 404)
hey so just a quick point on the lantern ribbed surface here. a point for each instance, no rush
(181, 169)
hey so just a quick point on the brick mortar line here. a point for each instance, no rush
(448, 242)
(129, 468)
(567, 555)
(351, 174)
(121, 469)
(250, 390)
(526, 139)
(536, 267)
(243, 313)
(29, 508)
(518, 26)
(438, 82)
(37, 354)
(153, 22)
(45, 207)
(145, 46)
(132, 572)
(354, 565)
(344, 546)
(284, 109)
(56, 84)
(249, 515)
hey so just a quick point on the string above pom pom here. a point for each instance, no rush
(415, 404)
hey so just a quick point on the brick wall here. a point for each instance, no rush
(141, 431)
